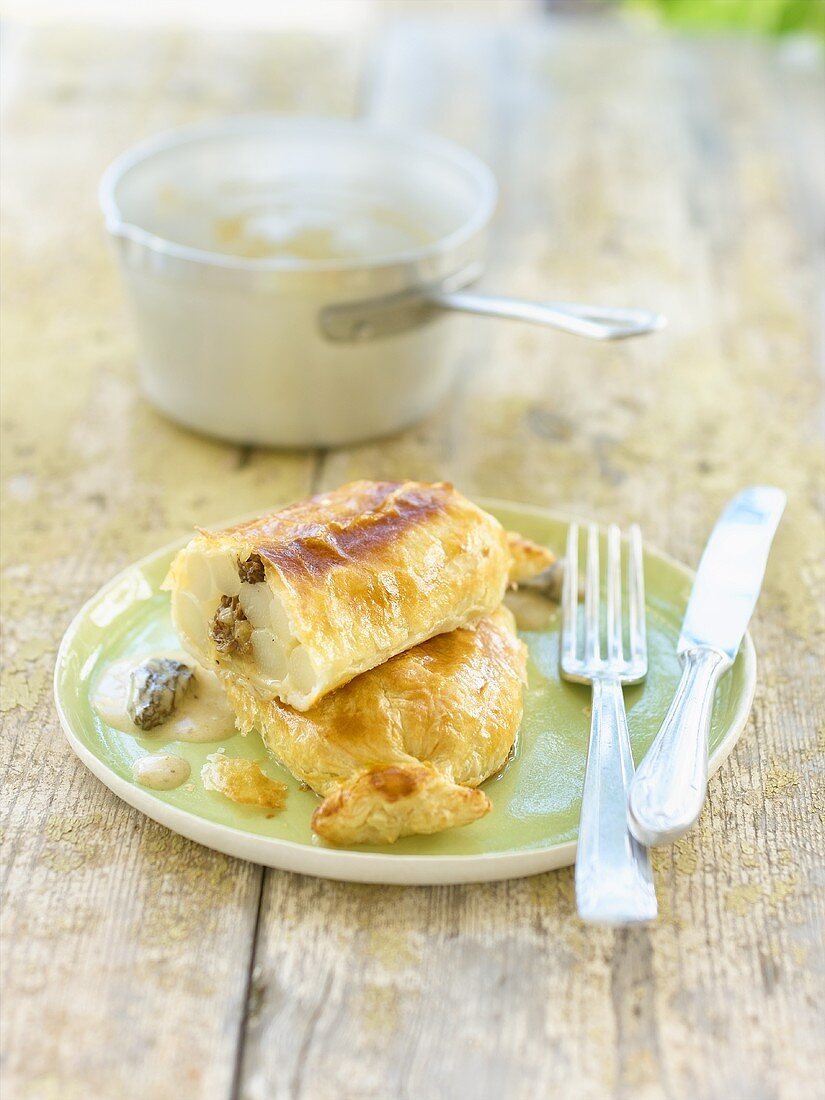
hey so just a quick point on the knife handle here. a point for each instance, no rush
(668, 789)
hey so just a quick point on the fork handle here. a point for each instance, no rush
(614, 882)
(668, 791)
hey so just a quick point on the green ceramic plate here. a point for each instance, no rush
(536, 800)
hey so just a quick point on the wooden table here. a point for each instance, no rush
(686, 175)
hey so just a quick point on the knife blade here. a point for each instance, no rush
(668, 789)
(730, 574)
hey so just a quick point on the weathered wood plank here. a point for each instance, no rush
(672, 180)
(688, 176)
(126, 949)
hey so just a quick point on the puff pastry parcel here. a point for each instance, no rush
(402, 748)
(298, 602)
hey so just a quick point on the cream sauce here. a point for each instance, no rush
(532, 611)
(316, 230)
(203, 714)
(162, 771)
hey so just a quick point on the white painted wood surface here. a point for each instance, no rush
(686, 175)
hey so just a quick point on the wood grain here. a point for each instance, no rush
(683, 174)
(671, 202)
(126, 949)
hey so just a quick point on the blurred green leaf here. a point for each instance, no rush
(764, 16)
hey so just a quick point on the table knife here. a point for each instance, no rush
(668, 789)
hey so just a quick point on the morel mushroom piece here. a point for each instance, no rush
(155, 689)
(230, 629)
(252, 570)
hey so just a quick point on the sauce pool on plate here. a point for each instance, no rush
(161, 771)
(203, 713)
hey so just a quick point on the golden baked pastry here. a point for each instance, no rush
(299, 602)
(242, 781)
(401, 748)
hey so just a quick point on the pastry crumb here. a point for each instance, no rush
(528, 559)
(242, 781)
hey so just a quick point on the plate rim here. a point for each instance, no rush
(344, 864)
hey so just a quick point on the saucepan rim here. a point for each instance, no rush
(425, 144)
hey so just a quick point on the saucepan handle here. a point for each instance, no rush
(392, 313)
(597, 322)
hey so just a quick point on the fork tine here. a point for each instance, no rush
(592, 651)
(636, 592)
(614, 594)
(570, 594)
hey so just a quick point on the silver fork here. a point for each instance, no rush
(614, 883)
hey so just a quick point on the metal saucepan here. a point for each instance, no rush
(293, 280)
